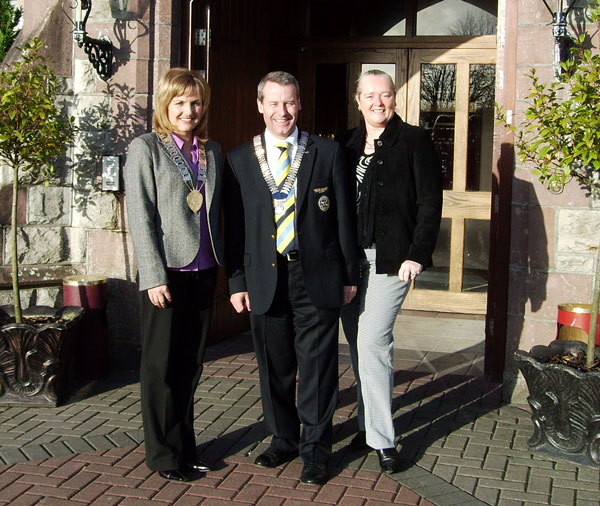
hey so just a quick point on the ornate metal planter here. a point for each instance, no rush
(35, 357)
(565, 403)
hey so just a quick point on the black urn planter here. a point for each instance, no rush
(35, 356)
(565, 403)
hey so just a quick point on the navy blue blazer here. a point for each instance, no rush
(326, 238)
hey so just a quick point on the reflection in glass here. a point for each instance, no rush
(437, 277)
(438, 106)
(457, 17)
(481, 127)
(477, 250)
(332, 18)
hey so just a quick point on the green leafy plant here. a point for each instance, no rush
(560, 135)
(10, 16)
(32, 133)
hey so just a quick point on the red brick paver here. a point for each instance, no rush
(117, 476)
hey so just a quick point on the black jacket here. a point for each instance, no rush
(405, 182)
(326, 237)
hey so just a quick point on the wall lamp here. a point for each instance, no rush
(99, 51)
(563, 42)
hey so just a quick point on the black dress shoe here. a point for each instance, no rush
(198, 465)
(314, 473)
(272, 457)
(174, 475)
(359, 442)
(389, 460)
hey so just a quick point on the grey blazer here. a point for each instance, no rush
(165, 232)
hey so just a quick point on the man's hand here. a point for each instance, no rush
(409, 270)
(240, 302)
(160, 296)
(349, 293)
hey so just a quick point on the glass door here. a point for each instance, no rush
(450, 92)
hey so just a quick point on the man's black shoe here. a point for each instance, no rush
(175, 475)
(272, 457)
(359, 442)
(198, 465)
(389, 460)
(314, 473)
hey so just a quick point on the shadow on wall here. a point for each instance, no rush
(528, 271)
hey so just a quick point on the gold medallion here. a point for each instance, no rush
(195, 200)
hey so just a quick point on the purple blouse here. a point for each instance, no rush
(205, 257)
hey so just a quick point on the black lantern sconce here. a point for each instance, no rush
(99, 51)
(563, 42)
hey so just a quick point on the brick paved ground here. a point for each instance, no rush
(461, 445)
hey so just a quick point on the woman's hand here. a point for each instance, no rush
(160, 296)
(240, 302)
(409, 270)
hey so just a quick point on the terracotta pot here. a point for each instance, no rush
(35, 357)
(565, 403)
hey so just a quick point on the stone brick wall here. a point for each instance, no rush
(73, 226)
(552, 236)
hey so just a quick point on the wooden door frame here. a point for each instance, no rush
(459, 204)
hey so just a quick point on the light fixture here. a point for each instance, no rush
(99, 51)
(563, 42)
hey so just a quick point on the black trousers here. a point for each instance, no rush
(173, 346)
(296, 338)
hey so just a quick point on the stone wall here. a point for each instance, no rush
(73, 226)
(552, 236)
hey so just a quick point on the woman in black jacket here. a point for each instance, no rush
(399, 202)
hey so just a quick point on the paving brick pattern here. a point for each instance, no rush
(461, 445)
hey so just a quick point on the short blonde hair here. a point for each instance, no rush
(175, 83)
(369, 73)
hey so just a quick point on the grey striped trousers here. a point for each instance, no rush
(368, 322)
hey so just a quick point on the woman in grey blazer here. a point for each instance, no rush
(173, 198)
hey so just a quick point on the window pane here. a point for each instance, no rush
(438, 106)
(477, 251)
(457, 17)
(388, 68)
(356, 18)
(437, 277)
(481, 128)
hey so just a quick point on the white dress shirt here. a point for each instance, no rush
(273, 152)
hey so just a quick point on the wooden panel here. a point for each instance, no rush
(461, 127)
(485, 42)
(473, 205)
(437, 300)
(459, 205)
(457, 254)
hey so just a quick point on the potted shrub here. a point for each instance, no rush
(34, 353)
(560, 138)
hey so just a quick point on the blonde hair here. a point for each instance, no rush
(175, 83)
(373, 72)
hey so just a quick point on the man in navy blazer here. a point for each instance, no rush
(293, 293)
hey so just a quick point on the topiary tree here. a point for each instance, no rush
(560, 135)
(10, 16)
(32, 133)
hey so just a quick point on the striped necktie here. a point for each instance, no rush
(285, 221)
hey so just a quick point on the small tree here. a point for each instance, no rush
(10, 15)
(560, 135)
(32, 133)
